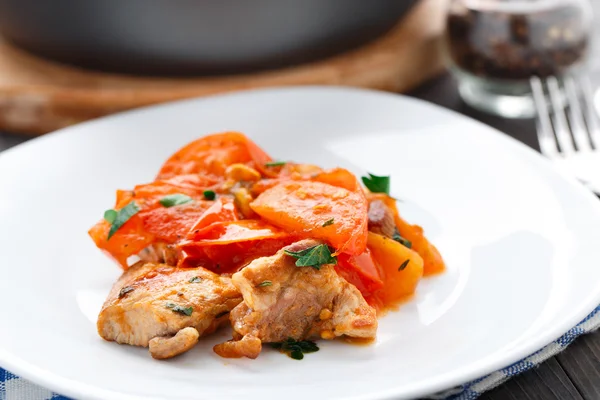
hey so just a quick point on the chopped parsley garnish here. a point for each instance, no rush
(403, 265)
(328, 222)
(265, 283)
(396, 236)
(110, 216)
(313, 256)
(124, 290)
(296, 348)
(195, 279)
(175, 200)
(275, 164)
(209, 194)
(377, 184)
(180, 309)
(120, 217)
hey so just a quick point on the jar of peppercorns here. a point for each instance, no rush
(496, 46)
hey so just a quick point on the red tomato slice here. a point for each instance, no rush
(154, 222)
(339, 177)
(222, 210)
(129, 240)
(172, 224)
(360, 271)
(317, 210)
(212, 154)
(227, 246)
(220, 233)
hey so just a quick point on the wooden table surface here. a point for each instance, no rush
(574, 373)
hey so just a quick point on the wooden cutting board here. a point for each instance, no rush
(39, 96)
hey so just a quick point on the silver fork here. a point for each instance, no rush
(568, 128)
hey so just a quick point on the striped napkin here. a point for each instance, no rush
(14, 388)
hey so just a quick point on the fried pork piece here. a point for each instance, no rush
(157, 301)
(299, 303)
(381, 219)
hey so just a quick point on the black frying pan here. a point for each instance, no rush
(193, 37)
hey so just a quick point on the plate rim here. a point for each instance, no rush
(68, 387)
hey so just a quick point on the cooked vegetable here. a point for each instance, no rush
(339, 177)
(121, 217)
(224, 246)
(175, 200)
(220, 233)
(361, 271)
(398, 283)
(241, 172)
(213, 154)
(432, 260)
(220, 202)
(299, 207)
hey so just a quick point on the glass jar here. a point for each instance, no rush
(496, 46)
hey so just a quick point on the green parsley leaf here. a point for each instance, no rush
(396, 236)
(275, 164)
(124, 290)
(296, 348)
(300, 253)
(122, 216)
(265, 283)
(110, 216)
(403, 265)
(328, 222)
(195, 279)
(180, 309)
(175, 200)
(313, 256)
(209, 194)
(377, 184)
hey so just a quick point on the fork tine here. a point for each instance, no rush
(578, 127)
(591, 116)
(544, 125)
(561, 128)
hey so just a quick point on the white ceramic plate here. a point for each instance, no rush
(520, 240)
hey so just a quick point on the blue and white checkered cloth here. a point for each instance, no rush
(14, 388)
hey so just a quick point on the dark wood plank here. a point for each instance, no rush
(7, 140)
(581, 362)
(546, 382)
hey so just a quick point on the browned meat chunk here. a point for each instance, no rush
(381, 219)
(156, 300)
(167, 347)
(248, 346)
(298, 302)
